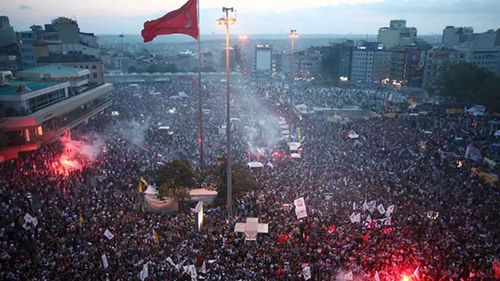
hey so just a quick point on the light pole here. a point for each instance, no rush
(121, 53)
(243, 40)
(293, 36)
(227, 21)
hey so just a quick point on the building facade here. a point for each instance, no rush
(59, 38)
(396, 34)
(438, 61)
(481, 49)
(408, 64)
(46, 102)
(91, 63)
(370, 63)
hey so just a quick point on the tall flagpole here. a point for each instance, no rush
(200, 96)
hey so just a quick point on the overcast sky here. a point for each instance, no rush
(263, 16)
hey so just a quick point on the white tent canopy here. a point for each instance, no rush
(202, 194)
(255, 164)
(294, 146)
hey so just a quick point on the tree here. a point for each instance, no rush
(171, 68)
(243, 180)
(175, 178)
(170, 189)
(468, 83)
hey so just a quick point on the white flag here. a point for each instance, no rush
(306, 272)
(354, 206)
(270, 164)
(105, 263)
(192, 272)
(355, 217)
(108, 234)
(170, 261)
(179, 265)
(371, 206)
(28, 218)
(34, 222)
(381, 209)
(144, 272)
(365, 206)
(389, 211)
(300, 208)
(416, 272)
(203, 268)
(348, 276)
(377, 277)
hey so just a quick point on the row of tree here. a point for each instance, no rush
(470, 84)
(176, 178)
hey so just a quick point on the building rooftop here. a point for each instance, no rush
(53, 71)
(11, 88)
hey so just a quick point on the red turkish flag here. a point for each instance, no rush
(283, 238)
(184, 20)
(331, 229)
(496, 270)
(278, 272)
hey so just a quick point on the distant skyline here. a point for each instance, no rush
(263, 16)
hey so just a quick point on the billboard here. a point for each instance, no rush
(263, 58)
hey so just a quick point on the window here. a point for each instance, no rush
(94, 66)
(94, 75)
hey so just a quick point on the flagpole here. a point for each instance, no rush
(200, 96)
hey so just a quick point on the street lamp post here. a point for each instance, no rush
(293, 36)
(227, 21)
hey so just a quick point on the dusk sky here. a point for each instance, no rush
(263, 16)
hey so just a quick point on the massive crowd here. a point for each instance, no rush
(394, 161)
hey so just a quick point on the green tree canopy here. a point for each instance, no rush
(175, 178)
(243, 181)
(468, 83)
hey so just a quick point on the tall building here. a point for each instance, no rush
(370, 63)
(337, 60)
(481, 49)
(454, 36)
(408, 64)
(396, 34)
(9, 51)
(59, 38)
(438, 61)
(45, 102)
(7, 34)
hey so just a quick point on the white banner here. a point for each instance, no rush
(371, 206)
(171, 262)
(108, 234)
(355, 217)
(306, 272)
(389, 211)
(144, 272)
(105, 263)
(193, 273)
(381, 209)
(300, 208)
